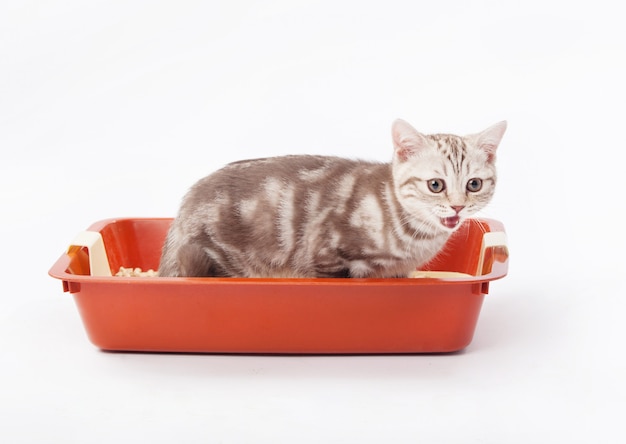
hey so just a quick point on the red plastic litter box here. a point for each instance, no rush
(434, 313)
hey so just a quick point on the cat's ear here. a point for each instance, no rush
(489, 139)
(407, 141)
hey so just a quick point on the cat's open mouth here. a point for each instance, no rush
(450, 222)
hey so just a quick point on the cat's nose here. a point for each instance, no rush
(457, 208)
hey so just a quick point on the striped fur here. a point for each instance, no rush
(316, 216)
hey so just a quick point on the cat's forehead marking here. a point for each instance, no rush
(449, 142)
(454, 150)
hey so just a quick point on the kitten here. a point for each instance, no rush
(315, 216)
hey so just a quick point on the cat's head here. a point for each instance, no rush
(442, 179)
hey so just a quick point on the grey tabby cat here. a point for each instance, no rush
(315, 216)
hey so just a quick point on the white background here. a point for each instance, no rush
(114, 108)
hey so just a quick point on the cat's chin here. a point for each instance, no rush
(451, 222)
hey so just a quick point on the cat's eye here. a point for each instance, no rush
(474, 185)
(436, 185)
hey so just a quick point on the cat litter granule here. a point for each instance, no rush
(136, 272)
